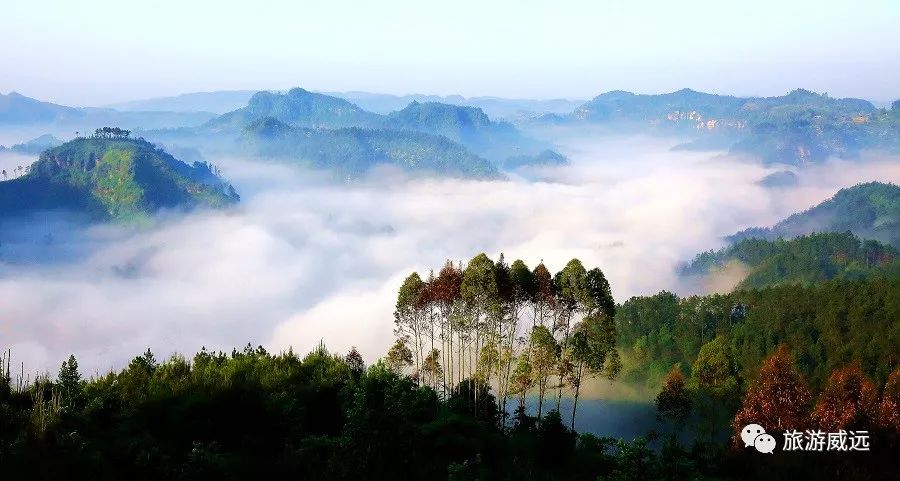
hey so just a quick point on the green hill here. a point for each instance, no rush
(299, 108)
(871, 211)
(804, 260)
(469, 126)
(111, 176)
(350, 152)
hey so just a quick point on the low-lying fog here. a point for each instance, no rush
(302, 259)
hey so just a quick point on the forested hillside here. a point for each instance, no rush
(351, 152)
(112, 176)
(803, 260)
(826, 325)
(870, 211)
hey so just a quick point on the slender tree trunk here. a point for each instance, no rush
(568, 319)
(579, 371)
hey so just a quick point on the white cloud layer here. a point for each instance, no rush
(302, 260)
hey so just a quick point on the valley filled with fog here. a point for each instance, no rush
(303, 258)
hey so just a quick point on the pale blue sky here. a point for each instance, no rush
(99, 51)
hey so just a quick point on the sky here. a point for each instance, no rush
(97, 52)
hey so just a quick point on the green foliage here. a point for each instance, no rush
(70, 383)
(825, 325)
(715, 368)
(253, 413)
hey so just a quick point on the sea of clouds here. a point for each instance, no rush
(304, 259)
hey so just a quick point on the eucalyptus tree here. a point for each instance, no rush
(592, 352)
(445, 294)
(399, 357)
(543, 300)
(572, 296)
(432, 371)
(522, 378)
(544, 353)
(410, 316)
(522, 288)
(480, 295)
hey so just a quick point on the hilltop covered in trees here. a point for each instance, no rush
(110, 175)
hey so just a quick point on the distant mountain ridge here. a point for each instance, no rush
(17, 109)
(870, 211)
(223, 101)
(35, 145)
(112, 178)
(218, 102)
(798, 128)
(468, 126)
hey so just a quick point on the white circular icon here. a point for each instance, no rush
(750, 432)
(764, 443)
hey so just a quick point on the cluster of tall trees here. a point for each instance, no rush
(111, 133)
(507, 328)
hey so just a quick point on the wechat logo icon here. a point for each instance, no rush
(756, 436)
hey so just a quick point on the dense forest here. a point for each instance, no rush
(474, 342)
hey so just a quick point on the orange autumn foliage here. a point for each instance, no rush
(889, 408)
(849, 400)
(778, 399)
